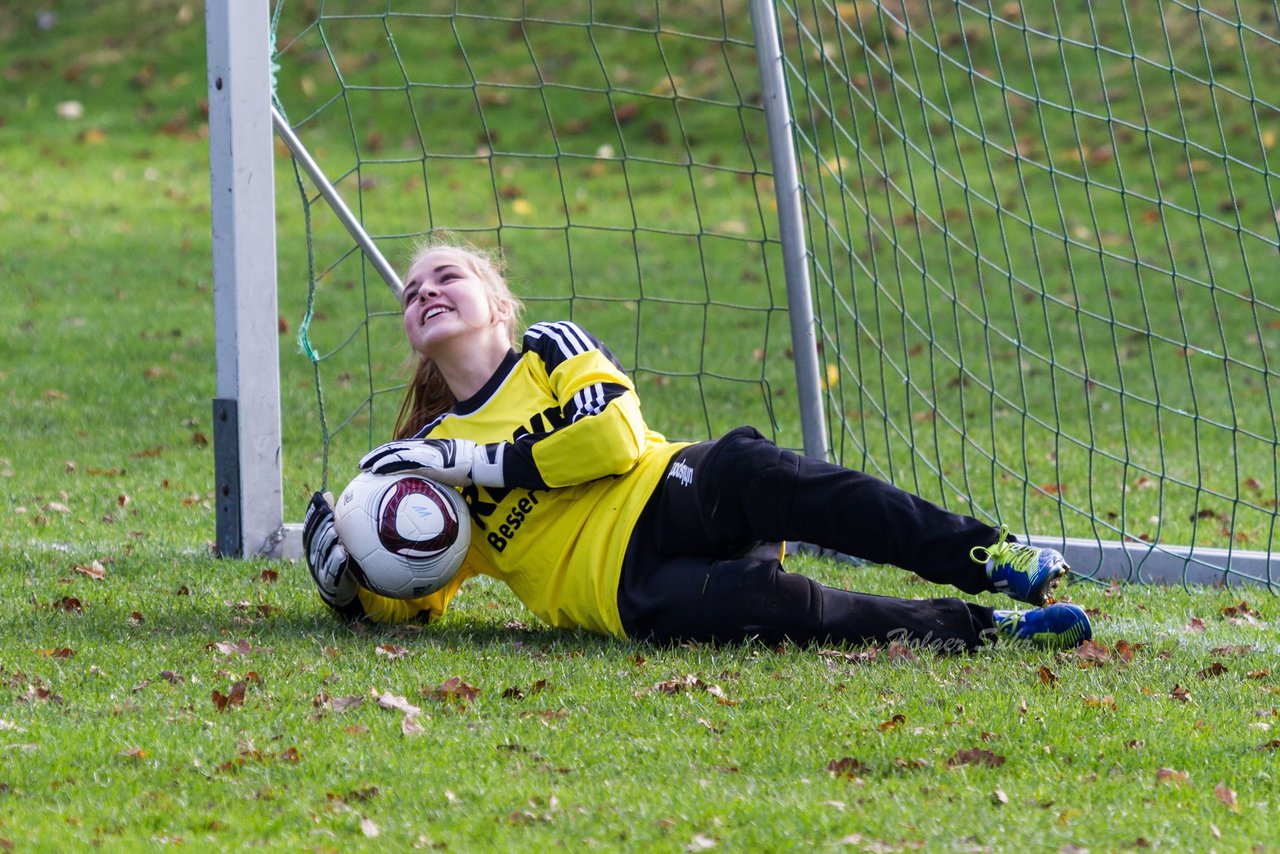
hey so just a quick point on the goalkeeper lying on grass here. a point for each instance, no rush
(597, 522)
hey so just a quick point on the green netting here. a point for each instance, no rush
(617, 159)
(1045, 255)
(1043, 236)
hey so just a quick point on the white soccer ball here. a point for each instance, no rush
(409, 534)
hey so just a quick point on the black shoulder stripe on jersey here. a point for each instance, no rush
(557, 342)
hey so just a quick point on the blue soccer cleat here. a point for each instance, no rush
(1059, 626)
(1025, 573)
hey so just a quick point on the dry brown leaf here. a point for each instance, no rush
(452, 689)
(70, 604)
(1092, 654)
(94, 570)
(846, 767)
(975, 756)
(234, 697)
(1227, 796)
(391, 651)
(388, 700)
(893, 722)
(1215, 669)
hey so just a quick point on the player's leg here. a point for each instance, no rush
(743, 488)
(703, 599)
(752, 596)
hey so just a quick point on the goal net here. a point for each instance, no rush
(1042, 242)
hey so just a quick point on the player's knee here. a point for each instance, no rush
(757, 598)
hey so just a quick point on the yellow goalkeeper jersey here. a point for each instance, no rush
(580, 466)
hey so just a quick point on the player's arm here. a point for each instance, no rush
(596, 430)
(600, 431)
(334, 572)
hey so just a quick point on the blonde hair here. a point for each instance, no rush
(427, 396)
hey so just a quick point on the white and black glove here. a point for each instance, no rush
(328, 560)
(454, 462)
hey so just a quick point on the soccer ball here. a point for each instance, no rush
(409, 534)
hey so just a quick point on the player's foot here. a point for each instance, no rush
(1025, 573)
(1058, 626)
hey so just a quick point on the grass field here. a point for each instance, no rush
(153, 696)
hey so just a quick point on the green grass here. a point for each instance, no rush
(130, 750)
(106, 373)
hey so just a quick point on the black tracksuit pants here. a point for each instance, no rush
(697, 567)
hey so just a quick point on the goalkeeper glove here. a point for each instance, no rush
(327, 558)
(454, 462)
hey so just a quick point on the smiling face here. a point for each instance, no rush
(451, 300)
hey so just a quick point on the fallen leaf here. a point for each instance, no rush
(1047, 676)
(975, 756)
(701, 842)
(240, 647)
(1237, 649)
(846, 767)
(235, 697)
(94, 570)
(1182, 695)
(893, 722)
(451, 689)
(1195, 625)
(344, 704)
(1107, 702)
(410, 725)
(899, 652)
(1215, 669)
(1227, 796)
(706, 723)
(391, 651)
(368, 828)
(1092, 654)
(1168, 775)
(60, 652)
(677, 684)
(998, 797)
(70, 604)
(388, 700)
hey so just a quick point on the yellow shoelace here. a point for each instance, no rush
(1019, 556)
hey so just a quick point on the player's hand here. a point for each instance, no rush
(327, 558)
(454, 462)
